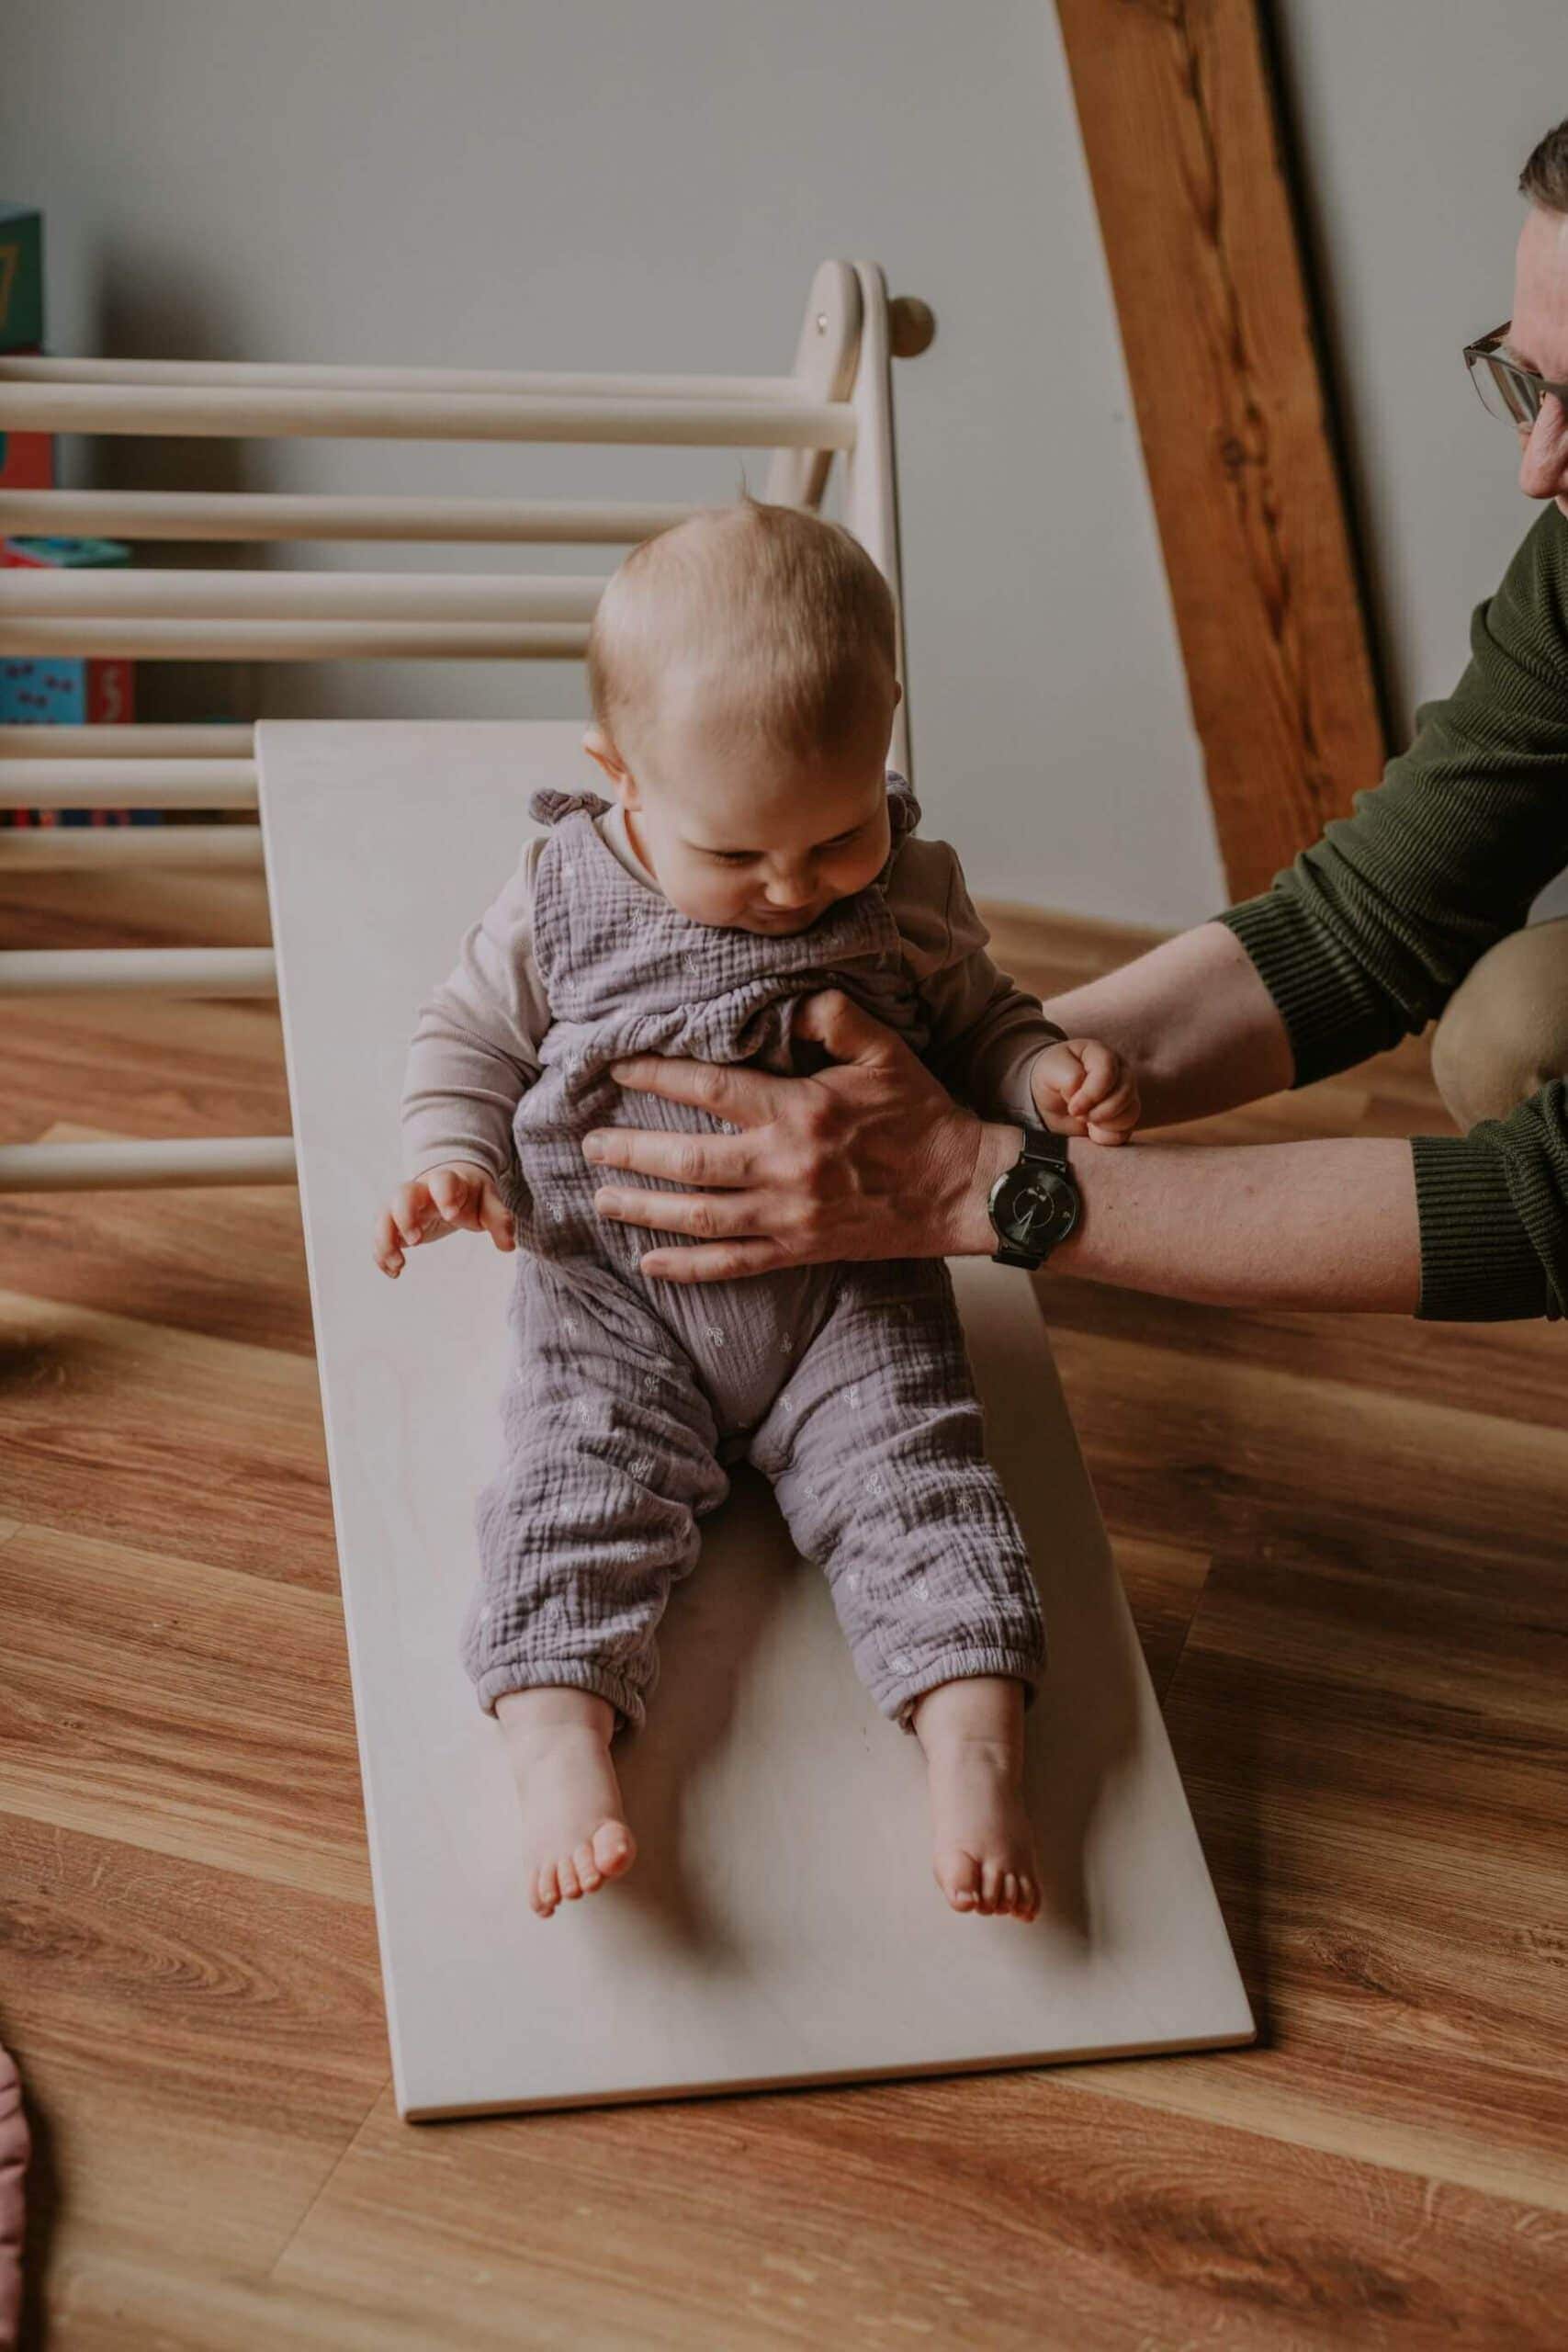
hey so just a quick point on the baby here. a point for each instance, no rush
(757, 849)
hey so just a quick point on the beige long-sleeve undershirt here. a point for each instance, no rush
(475, 1049)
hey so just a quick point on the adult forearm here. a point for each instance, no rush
(1329, 1225)
(1194, 1021)
(870, 1159)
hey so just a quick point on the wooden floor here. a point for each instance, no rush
(1343, 1542)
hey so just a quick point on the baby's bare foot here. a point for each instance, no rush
(574, 1833)
(984, 1853)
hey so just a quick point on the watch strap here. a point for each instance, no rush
(1043, 1149)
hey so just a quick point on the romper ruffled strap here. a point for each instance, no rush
(549, 807)
(903, 808)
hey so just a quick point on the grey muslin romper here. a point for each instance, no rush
(848, 1386)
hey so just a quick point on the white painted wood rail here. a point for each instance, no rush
(835, 403)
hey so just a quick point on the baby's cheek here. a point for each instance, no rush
(699, 894)
(844, 877)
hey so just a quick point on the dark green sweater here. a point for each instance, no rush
(1363, 940)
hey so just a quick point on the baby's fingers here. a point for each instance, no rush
(1119, 1108)
(455, 1198)
(414, 1217)
(1114, 1120)
(385, 1246)
(496, 1219)
(1103, 1071)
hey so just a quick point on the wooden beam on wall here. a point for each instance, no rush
(1176, 109)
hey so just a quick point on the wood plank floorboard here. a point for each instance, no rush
(913, 2212)
(1342, 1545)
(179, 1705)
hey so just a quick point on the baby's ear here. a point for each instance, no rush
(599, 748)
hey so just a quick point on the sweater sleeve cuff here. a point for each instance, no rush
(1478, 1265)
(423, 1152)
(1333, 1018)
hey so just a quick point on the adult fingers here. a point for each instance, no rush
(748, 1097)
(714, 1261)
(709, 1216)
(682, 1158)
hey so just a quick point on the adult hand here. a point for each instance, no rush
(869, 1158)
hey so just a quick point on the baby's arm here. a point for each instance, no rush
(991, 1043)
(473, 1055)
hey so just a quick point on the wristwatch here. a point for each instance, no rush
(1035, 1203)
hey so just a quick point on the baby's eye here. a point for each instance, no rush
(731, 856)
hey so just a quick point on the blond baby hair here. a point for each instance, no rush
(782, 617)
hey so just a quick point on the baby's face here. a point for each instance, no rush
(750, 842)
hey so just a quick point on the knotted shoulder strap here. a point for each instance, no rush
(549, 807)
(903, 808)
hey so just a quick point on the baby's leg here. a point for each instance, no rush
(609, 1462)
(876, 1448)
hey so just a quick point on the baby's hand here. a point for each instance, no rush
(1081, 1087)
(459, 1196)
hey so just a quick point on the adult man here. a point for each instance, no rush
(1414, 905)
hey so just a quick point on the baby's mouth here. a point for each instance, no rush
(771, 919)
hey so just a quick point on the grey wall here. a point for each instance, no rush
(1412, 123)
(614, 185)
(619, 186)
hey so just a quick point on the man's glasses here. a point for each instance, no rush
(1510, 391)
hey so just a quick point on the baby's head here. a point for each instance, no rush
(741, 668)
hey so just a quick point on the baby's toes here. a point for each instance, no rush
(614, 1848)
(992, 1878)
(568, 1886)
(589, 1874)
(958, 1875)
(544, 1892)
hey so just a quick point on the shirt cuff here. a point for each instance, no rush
(439, 1152)
(999, 1088)
(1333, 1017)
(1478, 1263)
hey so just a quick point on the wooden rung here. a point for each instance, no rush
(138, 971)
(130, 1167)
(222, 412)
(282, 374)
(124, 784)
(255, 516)
(49, 848)
(296, 640)
(223, 597)
(135, 742)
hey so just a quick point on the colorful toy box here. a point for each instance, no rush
(65, 690)
(21, 278)
(27, 460)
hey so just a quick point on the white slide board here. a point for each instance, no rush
(781, 1924)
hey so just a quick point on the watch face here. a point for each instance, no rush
(1036, 1208)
